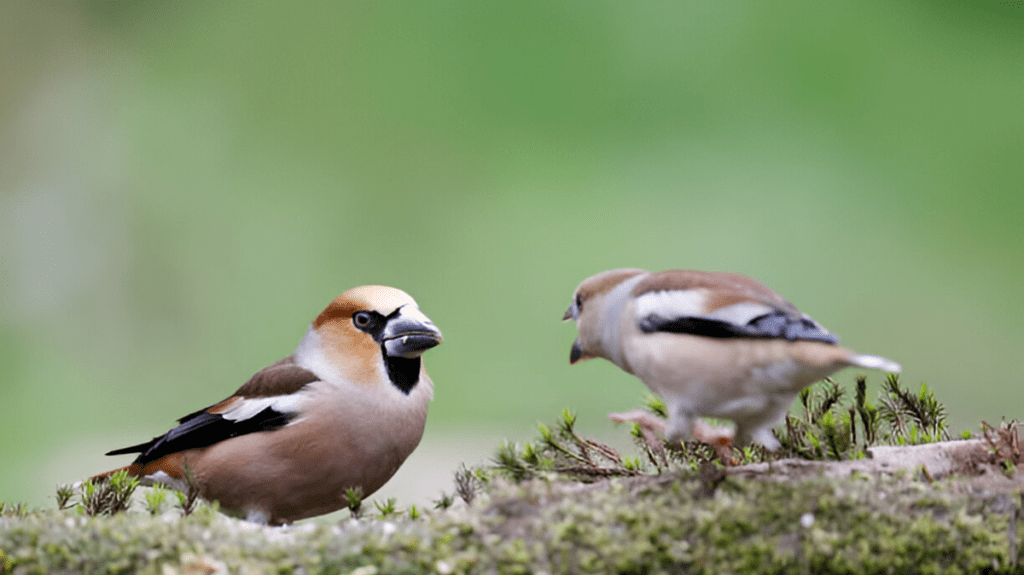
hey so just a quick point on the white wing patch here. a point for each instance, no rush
(740, 313)
(249, 408)
(693, 303)
(674, 303)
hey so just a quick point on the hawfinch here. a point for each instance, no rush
(710, 344)
(343, 411)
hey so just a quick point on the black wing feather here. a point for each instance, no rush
(202, 429)
(775, 324)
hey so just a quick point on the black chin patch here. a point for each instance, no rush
(576, 353)
(404, 373)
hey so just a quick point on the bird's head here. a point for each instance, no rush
(372, 328)
(588, 309)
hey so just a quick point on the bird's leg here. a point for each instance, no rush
(762, 435)
(651, 426)
(678, 430)
(759, 427)
(680, 426)
(684, 425)
(719, 438)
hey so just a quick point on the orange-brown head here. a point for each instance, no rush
(366, 331)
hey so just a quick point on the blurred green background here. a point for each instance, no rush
(183, 186)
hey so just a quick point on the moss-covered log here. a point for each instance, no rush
(789, 517)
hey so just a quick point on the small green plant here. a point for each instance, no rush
(867, 413)
(189, 498)
(563, 451)
(65, 493)
(1004, 445)
(111, 495)
(108, 496)
(829, 429)
(917, 418)
(155, 499)
(354, 501)
(468, 482)
(826, 425)
(13, 510)
(414, 513)
(386, 508)
(445, 501)
(657, 406)
(633, 464)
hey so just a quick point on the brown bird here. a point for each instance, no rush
(709, 344)
(343, 411)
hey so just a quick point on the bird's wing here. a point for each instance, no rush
(267, 401)
(720, 305)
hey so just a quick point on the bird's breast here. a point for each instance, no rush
(342, 438)
(710, 371)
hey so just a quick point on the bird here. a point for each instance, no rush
(341, 412)
(710, 344)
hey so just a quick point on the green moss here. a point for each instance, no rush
(626, 525)
(567, 504)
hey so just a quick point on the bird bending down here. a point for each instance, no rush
(343, 411)
(709, 344)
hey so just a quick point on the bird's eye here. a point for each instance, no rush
(361, 319)
(579, 302)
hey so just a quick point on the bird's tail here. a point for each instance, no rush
(874, 362)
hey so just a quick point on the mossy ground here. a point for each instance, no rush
(567, 504)
(700, 522)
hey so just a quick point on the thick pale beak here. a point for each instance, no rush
(410, 334)
(574, 310)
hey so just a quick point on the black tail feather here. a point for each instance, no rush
(140, 448)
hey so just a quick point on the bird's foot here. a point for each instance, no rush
(652, 427)
(719, 438)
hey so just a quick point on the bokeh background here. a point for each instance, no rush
(183, 186)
